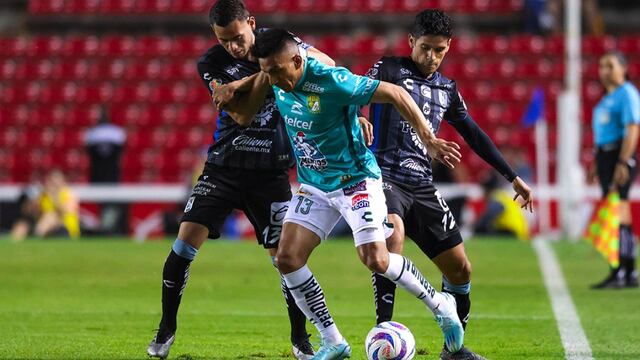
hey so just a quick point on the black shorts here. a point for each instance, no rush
(606, 160)
(263, 195)
(428, 221)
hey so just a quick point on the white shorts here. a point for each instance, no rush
(362, 205)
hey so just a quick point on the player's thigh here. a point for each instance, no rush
(212, 199)
(311, 209)
(297, 243)
(266, 206)
(454, 264)
(398, 202)
(47, 223)
(430, 223)
(364, 209)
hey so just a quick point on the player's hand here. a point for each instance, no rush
(621, 174)
(367, 130)
(523, 190)
(445, 151)
(223, 94)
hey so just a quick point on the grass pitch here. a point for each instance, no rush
(100, 299)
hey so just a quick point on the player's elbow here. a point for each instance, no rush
(242, 120)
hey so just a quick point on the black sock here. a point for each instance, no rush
(627, 251)
(297, 319)
(463, 301)
(384, 292)
(174, 278)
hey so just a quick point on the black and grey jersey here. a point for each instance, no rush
(400, 154)
(263, 144)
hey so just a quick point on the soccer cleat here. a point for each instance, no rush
(333, 352)
(631, 282)
(161, 344)
(447, 318)
(613, 281)
(462, 354)
(302, 349)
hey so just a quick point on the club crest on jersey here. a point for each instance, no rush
(308, 154)
(313, 103)
(350, 190)
(213, 84)
(425, 91)
(359, 201)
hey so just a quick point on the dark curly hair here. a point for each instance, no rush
(271, 42)
(224, 12)
(432, 22)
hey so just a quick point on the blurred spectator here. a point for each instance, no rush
(502, 215)
(28, 212)
(104, 143)
(58, 208)
(542, 17)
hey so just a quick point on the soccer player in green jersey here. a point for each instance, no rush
(340, 178)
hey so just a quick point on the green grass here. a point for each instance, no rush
(100, 299)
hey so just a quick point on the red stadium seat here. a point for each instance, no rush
(81, 46)
(81, 6)
(597, 46)
(118, 7)
(526, 45)
(463, 45)
(191, 46)
(116, 46)
(629, 44)
(45, 7)
(153, 46)
(45, 46)
(13, 47)
(375, 46)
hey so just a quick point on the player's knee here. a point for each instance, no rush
(463, 272)
(376, 262)
(286, 262)
(395, 242)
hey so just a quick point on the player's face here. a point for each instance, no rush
(428, 51)
(611, 71)
(284, 69)
(237, 37)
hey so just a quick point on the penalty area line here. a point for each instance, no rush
(574, 341)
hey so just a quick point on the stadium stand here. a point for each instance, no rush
(53, 86)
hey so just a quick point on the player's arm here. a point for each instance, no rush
(320, 56)
(631, 119)
(243, 103)
(442, 150)
(482, 145)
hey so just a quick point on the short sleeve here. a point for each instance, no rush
(352, 89)
(212, 77)
(630, 106)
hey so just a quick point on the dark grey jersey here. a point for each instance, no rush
(263, 144)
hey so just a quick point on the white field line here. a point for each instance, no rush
(575, 343)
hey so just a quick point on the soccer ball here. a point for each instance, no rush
(390, 340)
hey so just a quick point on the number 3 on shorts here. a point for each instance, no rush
(304, 205)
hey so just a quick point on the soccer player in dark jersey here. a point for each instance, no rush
(416, 208)
(246, 169)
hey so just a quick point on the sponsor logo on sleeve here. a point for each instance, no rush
(359, 201)
(312, 87)
(214, 83)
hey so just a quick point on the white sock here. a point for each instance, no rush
(310, 299)
(405, 274)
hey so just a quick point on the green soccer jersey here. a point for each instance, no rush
(321, 117)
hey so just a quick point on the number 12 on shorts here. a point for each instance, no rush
(447, 219)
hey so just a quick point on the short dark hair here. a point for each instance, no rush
(432, 22)
(271, 42)
(224, 12)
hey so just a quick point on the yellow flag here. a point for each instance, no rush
(604, 228)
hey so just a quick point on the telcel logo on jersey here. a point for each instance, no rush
(359, 201)
(295, 122)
